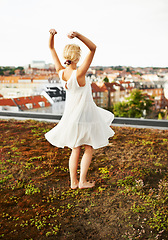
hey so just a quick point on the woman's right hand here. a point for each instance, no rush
(72, 34)
(53, 31)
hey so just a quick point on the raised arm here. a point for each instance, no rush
(57, 62)
(92, 48)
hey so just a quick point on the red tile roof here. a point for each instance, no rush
(95, 87)
(106, 86)
(110, 86)
(7, 102)
(103, 88)
(35, 101)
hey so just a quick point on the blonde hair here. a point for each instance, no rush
(72, 52)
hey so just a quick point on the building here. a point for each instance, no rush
(8, 105)
(56, 96)
(38, 64)
(100, 95)
(31, 103)
(22, 86)
(160, 100)
(107, 94)
(155, 88)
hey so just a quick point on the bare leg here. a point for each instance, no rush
(85, 163)
(73, 165)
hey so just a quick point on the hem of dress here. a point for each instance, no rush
(94, 147)
(103, 145)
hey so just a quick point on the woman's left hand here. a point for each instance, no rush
(53, 31)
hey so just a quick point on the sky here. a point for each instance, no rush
(126, 32)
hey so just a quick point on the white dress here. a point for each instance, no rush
(82, 123)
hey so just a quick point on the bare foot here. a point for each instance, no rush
(74, 185)
(86, 184)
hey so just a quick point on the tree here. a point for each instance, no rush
(11, 70)
(128, 69)
(138, 73)
(120, 68)
(121, 109)
(137, 105)
(1, 71)
(106, 79)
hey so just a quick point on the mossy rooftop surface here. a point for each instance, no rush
(129, 201)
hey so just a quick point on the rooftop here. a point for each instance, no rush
(131, 186)
(25, 103)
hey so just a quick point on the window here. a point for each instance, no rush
(29, 105)
(42, 104)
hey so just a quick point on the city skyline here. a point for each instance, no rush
(126, 32)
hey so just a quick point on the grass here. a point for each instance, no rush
(129, 201)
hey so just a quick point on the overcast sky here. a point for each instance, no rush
(126, 32)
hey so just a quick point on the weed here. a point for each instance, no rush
(104, 172)
(31, 189)
(128, 181)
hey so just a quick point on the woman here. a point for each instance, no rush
(83, 123)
